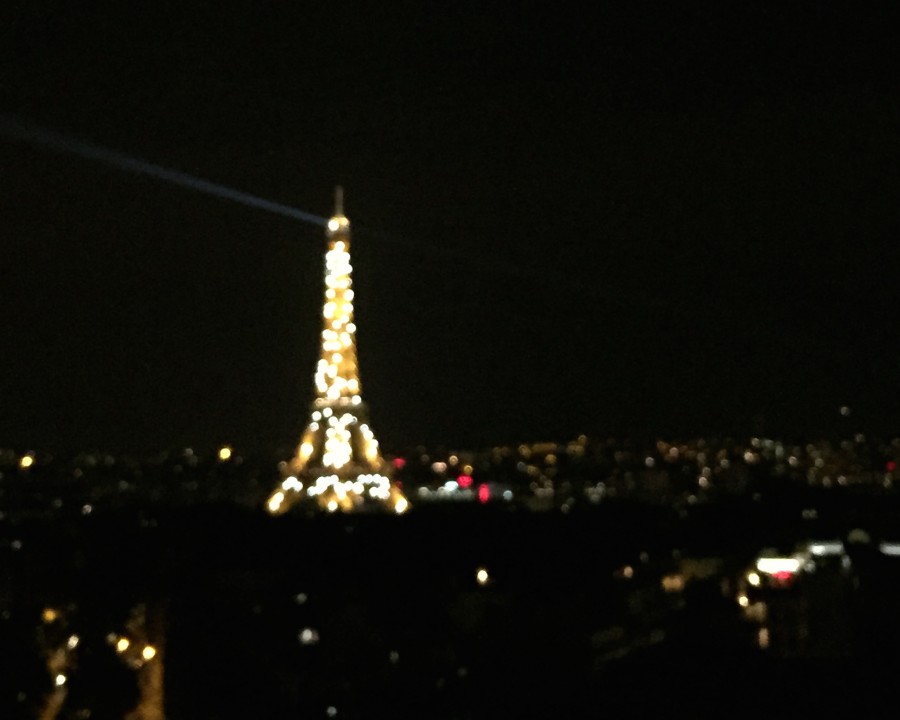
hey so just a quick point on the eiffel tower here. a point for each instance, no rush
(337, 465)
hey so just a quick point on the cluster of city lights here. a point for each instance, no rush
(60, 654)
(773, 573)
(134, 654)
(59, 658)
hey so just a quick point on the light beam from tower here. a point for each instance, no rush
(338, 464)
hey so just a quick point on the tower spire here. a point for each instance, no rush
(338, 223)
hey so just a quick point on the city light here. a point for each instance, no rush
(26, 461)
(149, 652)
(481, 576)
(672, 583)
(827, 548)
(122, 644)
(777, 565)
(275, 501)
(224, 453)
(308, 636)
(60, 680)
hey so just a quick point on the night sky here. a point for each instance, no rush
(668, 219)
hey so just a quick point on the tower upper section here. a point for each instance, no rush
(337, 372)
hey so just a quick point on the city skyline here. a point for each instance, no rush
(606, 396)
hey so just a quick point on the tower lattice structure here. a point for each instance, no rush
(337, 464)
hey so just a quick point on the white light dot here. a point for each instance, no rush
(308, 636)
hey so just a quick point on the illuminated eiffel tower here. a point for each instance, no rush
(337, 464)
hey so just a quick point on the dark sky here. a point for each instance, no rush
(666, 219)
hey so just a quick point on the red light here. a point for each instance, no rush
(891, 466)
(464, 481)
(783, 575)
(484, 493)
(399, 463)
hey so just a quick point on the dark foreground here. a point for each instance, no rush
(622, 610)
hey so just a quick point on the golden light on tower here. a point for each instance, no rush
(338, 463)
